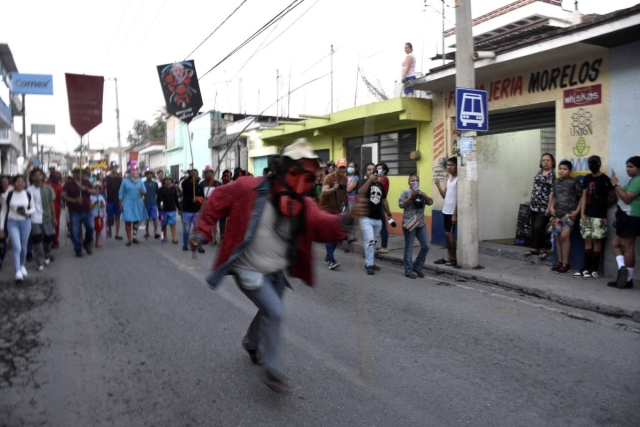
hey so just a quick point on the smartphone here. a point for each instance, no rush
(613, 172)
(415, 185)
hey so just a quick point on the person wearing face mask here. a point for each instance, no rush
(334, 201)
(271, 224)
(352, 192)
(597, 195)
(132, 207)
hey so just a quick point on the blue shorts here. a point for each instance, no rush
(152, 212)
(113, 210)
(408, 90)
(169, 218)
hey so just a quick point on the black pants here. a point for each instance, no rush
(539, 223)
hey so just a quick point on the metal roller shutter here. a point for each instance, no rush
(521, 120)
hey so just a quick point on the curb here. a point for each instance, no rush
(551, 296)
(583, 304)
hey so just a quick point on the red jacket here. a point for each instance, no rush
(242, 202)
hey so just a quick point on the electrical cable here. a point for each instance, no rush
(118, 27)
(217, 28)
(135, 19)
(153, 21)
(273, 20)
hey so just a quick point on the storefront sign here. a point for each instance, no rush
(567, 76)
(98, 164)
(85, 101)
(31, 84)
(181, 90)
(582, 96)
(43, 129)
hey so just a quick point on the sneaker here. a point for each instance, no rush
(200, 249)
(29, 257)
(326, 261)
(254, 355)
(419, 273)
(621, 280)
(627, 285)
(383, 251)
(410, 275)
(376, 268)
(23, 270)
(79, 254)
(275, 384)
(41, 267)
(587, 275)
(333, 265)
(564, 268)
(579, 274)
(184, 248)
(370, 269)
(19, 277)
(47, 261)
(88, 249)
(594, 275)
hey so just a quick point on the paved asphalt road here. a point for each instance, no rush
(133, 337)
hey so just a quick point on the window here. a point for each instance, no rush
(175, 172)
(393, 148)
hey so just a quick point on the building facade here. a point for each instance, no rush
(10, 105)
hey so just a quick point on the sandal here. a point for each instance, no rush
(441, 261)
(128, 243)
(175, 242)
(543, 255)
(532, 252)
(452, 263)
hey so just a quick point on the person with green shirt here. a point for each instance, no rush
(627, 224)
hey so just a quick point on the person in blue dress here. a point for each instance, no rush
(131, 196)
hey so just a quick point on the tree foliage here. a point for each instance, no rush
(158, 130)
(139, 135)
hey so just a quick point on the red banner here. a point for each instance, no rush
(85, 101)
(582, 96)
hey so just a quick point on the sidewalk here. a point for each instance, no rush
(506, 266)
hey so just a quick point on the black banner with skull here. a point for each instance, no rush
(181, 89)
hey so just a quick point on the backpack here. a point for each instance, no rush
(9, 195)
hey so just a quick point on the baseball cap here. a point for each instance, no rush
(341, 162)
(301, 149)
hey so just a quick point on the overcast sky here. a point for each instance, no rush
(128, 38)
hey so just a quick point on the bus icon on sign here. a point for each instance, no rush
(471, 110)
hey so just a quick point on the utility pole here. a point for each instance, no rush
(277, 94)
(118, 125)
(443, 60)
(467, 182)
(24, 128)
(332, 78)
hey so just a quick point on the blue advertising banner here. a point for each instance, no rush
(5, 114)
(31, 84)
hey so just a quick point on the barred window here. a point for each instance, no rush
(392, 148)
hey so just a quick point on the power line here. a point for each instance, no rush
(118, 27)
(153, 21)
(217, 28)
(273, 20)
(133, 23)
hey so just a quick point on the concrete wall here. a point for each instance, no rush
(507, 164)
(180, 154)
(623, 143)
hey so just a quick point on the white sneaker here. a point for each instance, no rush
(23, 270)
(19, 277)
(41, 267)
(47, 261)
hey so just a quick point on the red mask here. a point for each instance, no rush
(296, 184)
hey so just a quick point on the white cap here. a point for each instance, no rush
(301, 149)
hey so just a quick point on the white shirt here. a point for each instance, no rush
(451, 196)
(411, 72)
(18, 199)
(36, 201)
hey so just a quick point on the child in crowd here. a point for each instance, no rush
(597, 195)
(564, 207)
(98, 208)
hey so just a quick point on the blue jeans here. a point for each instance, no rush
(370, 230)
(188, 218)
(266, 325)
(384, 233)
(79, 219)
(331, 248)
(409, 237)
(18, 231)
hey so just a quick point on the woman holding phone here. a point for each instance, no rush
(413, 202)
(14, 220)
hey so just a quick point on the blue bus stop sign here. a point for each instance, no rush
(472, 110)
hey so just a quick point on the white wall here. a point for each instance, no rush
(507, 164)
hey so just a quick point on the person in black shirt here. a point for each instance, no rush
(192, 199)
(114, 181)
(168, 205)
(371, 224)
(597, 195)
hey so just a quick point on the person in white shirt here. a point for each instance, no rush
(42, 226)
(17, 206)
(408, 69)
(98, 206)
(450, 211)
